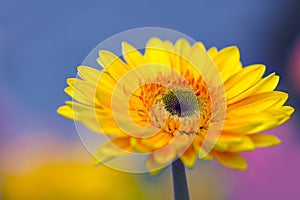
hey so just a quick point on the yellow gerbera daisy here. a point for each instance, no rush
(168, 100)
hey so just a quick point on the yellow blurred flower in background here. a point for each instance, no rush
(71, 181)
(180, 106)
(45, 166)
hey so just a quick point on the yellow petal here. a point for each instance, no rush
(197, 64)
(245, 145)
(221, 146)
(288, 110)
(138, 146)
(266, 84)
(108, 125)
(81, 91)
(197, 142)
(112, 64)
(153, 167)
(107, 58)
(181, 53)
(243, 80)
(164, 155)
(189, 157)
(81, 113)
(66, 111)
(232, 160)
(208, 156)
(132, 56)
(157, 141)
(201, 45)
(183, 47)
(212, 52)
(95, 119)
(257, 103)
(225, 140)
(228, 61)
(269, 83)
(230, 138)
(254, 123)
(105, 89)
(169, 46)
(280, 114)
(157, 53)
(264, 140)
(111, 149)
(89, 74)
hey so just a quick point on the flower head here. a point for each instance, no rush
(177, 101)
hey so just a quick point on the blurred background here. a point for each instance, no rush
(42, 43)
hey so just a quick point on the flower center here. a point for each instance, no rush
(181, 103)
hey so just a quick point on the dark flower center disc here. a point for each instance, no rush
(181, 103)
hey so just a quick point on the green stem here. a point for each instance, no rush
(180, 186)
